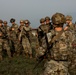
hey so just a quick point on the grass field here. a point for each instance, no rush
(21, 66)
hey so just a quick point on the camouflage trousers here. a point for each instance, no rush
(56, 68)
(34, 46)
(7, 48)
(26, 46)
(16, 47)
(4, 46)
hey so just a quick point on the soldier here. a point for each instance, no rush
(61, 48)
(4, 38)
(33, 36)
(47, 21)
(42, 30)
(24, 35)
(20, 30)
(69, 23)
(14, 36)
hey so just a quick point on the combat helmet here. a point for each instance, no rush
(5, 22)
(58, 18)
(42, 20)
(26, 21)
(68, 17)
(12, 20)
(1, 21)
(47, 18)
(21, 21)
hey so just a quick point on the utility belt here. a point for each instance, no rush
(60, 59)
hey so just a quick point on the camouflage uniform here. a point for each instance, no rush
(20, 48)
(25, 39)
(14, 35)
(14, 41)
(61, 49)
(33, 36)
(72, 27)
(1, 44)
(5, 44)
(43, 29)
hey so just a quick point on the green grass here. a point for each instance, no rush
(22, 66)
(19, 66)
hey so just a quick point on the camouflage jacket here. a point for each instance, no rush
(15, 26)
(71, 27)
(61, 48)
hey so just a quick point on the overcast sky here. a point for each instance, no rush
(34, 10)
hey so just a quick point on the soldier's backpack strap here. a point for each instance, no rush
(56, 37)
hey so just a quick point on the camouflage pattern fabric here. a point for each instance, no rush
(26, 46)
(33, 37)
(44, 27)
(72, 67)
(60, 54)
(26, 42)
(1, 43)
(15, 26)
(71, 27)
(14, 41)
(56, 68)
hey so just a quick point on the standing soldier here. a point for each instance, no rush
(33, 36)
(20, 30)
(24, 34)
(61, 48)
(40, 31)
(14, 35)
(47, 21)
(43, 29)
(4, 38)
